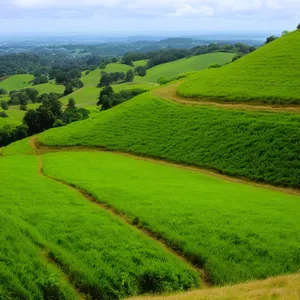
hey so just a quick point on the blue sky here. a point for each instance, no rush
(142, 16)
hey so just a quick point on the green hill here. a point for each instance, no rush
(270, 75)
(16, 82)
(261, 146)
(195, 63)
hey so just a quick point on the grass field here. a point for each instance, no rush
(268, 75)
(20, 147)
(24, 273)
(260, 146)
(90, 94)
(100, 254)
(15, 117)
(224, 226)
(195, 63)
(49, 88)
(16, 82)
(140, 63)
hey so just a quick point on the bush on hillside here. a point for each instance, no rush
(3, 114)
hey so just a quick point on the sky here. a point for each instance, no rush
(147, 16)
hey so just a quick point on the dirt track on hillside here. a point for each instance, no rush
(169, 93)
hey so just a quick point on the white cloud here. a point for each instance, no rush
(187, 10)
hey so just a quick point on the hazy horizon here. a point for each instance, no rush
(133, 17)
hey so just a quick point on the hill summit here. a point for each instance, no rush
(270, 74)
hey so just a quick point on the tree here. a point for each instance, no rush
(3, 91)
(31, 119)
(271, 39)
(127, 61)
(298, 27)
(4, 105)
(141, 71)
(107, 91)
(23, 107)
(71, 103)
(285, 32)
(68, 89)
(129, 76)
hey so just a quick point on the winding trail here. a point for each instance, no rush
(169, 93)
(205, 280)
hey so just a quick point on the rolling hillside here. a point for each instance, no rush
(261, 146)
(268, 75)
(195, 63)
(16, 82)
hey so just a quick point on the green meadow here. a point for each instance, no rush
(49, 88)
(184, 65)
(235, 231)
(100, 255)
(260, 146)
(267, 75)
(16, 82)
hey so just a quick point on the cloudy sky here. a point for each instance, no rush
(141, 16)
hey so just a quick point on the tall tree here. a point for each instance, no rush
(130, 76)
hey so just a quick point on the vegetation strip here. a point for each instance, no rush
(156, 238)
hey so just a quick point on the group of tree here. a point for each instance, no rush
(27, 96)
(108, 98)
(50, 114)
(115, 77)
(140, 71)
(41, 79)
(167, 55)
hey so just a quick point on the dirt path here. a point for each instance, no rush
(137, 227)
(169, 93)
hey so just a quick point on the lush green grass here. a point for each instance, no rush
(117, 67)
(19, 147)
(258, 145)
(268, 75)
(49, 88)
(15, 117)
(86, 95)
(140, 63)
(24, 272)
(134, 85)
(101, 255)
(238, 232)
(16, 82)
(195, 63)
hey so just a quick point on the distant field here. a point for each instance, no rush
(140, 63)
(16, 82)
(268, 75)
(49, 88)
(15, 117)
(90, 94)
(86, 95)
(237, 232)
(260, 146)
(54, 225)
(195, 63)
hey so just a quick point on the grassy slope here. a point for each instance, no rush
(100, 253)
(19, 147)
(24, 273)
(140, 63)
(15, 117)
(16, 82)
(49, 88)
(269, 74)
(283, 287)
(256, 145)
(195, 63)
(227, 227)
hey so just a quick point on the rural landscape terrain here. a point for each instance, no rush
(151, 170)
